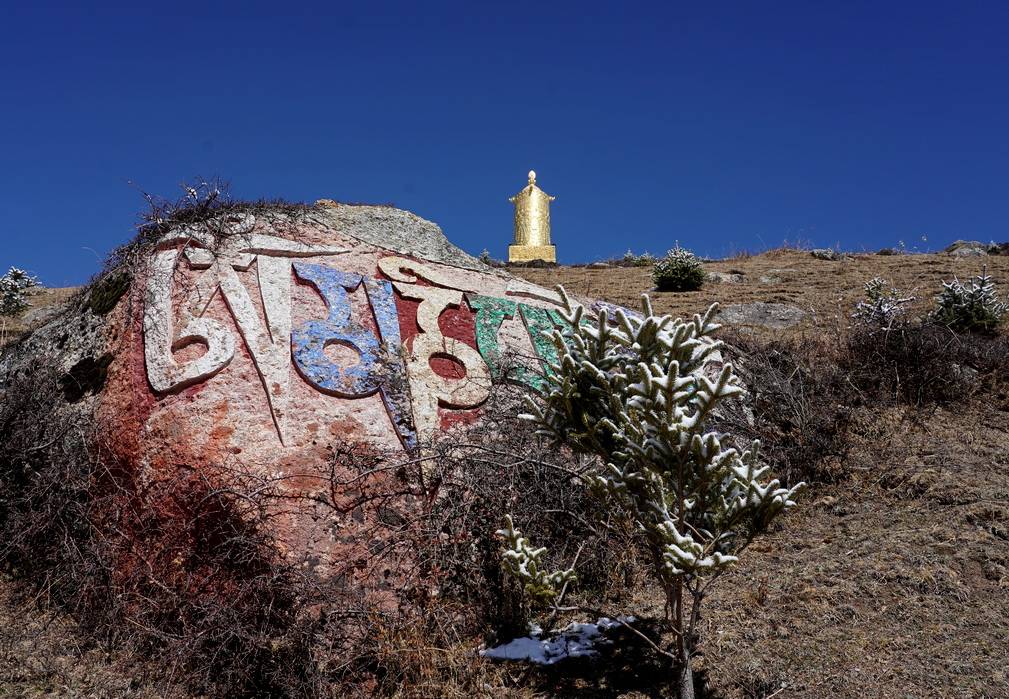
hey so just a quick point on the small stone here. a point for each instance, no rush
(598, 265)
(965, 372)
(826, 254)
(993, 571)
(969, 252)
(724, 278)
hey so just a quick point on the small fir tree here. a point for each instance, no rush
(881, 306)
(14, 287)
(638, 393)
(679, 270)
(970, 306)
(631, 259)
(524, 562)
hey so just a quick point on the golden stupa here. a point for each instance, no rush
(532, 225)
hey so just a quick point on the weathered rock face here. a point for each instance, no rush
(255, 345)
(776, 316)
(826, 254)
(967, 248)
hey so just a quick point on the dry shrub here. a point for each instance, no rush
(195, 572)
(503, 467)
(922, 363)
(798, 405)
(181, 565)
(458, 592)
(204, 203)
(802, 392)
(45, 471)
(177, 569)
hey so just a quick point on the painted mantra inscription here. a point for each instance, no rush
(401, 372)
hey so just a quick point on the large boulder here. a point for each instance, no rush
(966, 248)
(250, 343)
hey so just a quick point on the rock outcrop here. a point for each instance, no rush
(776, 316)
(827, 254)
(724, 277)
(256, 342)
(966, 248)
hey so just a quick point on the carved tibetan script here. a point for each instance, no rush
(400, 371)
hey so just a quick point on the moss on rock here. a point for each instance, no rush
(107, 291)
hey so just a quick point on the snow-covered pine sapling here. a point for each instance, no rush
(523, 561)
(881, 306)
(13, 291)
(638, 392)
(633, 260)
(679, 270)
(971, 306)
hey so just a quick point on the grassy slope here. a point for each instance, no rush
(828, 290)
(44, 655)
(41, 302)
(891, 583)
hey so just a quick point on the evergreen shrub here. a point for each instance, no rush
(679, 270)
(631, 259)
(14, 287)
(881, 306)
(970, 306)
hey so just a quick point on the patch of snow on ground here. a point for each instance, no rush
(575, 641)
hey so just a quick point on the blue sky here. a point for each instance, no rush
(726, 126)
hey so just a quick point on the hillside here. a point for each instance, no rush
(892, 581)
(42, 302)
(825, 289)
(890, 578)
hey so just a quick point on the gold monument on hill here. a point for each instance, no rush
(532, 225)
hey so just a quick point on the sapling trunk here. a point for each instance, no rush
(681, 665)
(686, 680)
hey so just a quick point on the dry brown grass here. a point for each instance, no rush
(894, 581)
(48, 655)
(41, 302)
(828, 290)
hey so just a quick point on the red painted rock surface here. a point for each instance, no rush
(247, 356)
